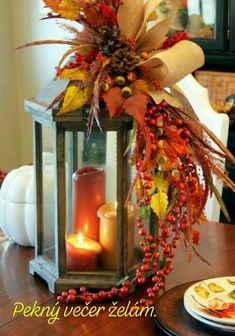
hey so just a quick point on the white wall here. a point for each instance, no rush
(24, 73)
(9, 130)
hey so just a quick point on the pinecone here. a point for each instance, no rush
(109, 39)
(123, 60)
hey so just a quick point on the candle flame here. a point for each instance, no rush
(115, 205)
(80, 239)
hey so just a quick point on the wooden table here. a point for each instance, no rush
(17, 285)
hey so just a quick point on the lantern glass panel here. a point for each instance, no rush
(92, 241)
(135, 252)
(48, 200)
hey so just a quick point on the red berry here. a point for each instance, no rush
(126, 283)
(167, 250)
(171, 267)
(142, 302)
(102, 294)
(161, 284)
(114, 291)
(143, 232)
(164, 104)
(83, 289)
(124, 290)
(150, 303)
(160, 273)
(156, 255)
(150, 238)
(158, 108)
(156, 289)
(168, 218)
(70, 298)
(95, 297)
(141, 280)
(151, 294)
(178, 122)
(109, 296)
(155, 278)
(73, 291)
(64, 294)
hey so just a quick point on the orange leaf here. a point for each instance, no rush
(93, 17)
(114, 101)
(137, 107)
(140, 86)
(53, 4)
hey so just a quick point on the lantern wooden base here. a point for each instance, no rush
(95, 280)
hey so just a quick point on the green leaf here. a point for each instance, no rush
(144, 212)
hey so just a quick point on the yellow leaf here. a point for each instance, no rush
(75, 98)
(161, 183)
(69, 9)
(159, 204)
(74, 74)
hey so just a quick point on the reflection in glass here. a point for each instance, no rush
(197, 17)
(48, 194)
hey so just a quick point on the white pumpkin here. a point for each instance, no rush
(17, 206)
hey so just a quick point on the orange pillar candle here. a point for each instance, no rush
(82, 253)
(109, 236)
(88, 196)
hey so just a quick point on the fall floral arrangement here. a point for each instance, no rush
(123, 58)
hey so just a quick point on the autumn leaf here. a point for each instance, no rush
(93, 17)
(136, 106)
(152, 17)
(75, 98)
(74, 74)
(139, 86)
(53, 4)
(69, 9)
(159, 204)
(161, 183)
(114, 101)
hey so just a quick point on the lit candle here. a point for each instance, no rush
(82, 253)
(109, 235)
(88, 196)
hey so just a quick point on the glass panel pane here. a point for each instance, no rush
(197, 17)
(48, 194)
(135, 254)
(91, 190)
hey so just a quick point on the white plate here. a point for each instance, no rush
(208, 322)
(202, 305)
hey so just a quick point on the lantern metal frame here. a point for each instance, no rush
(55, 274)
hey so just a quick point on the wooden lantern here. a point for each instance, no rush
(61, 153)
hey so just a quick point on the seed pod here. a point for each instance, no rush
(126, 92)
(159, 132)
(104, 87)
(137, 59)
(120, 80)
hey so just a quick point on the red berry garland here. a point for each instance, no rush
(149, 159)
